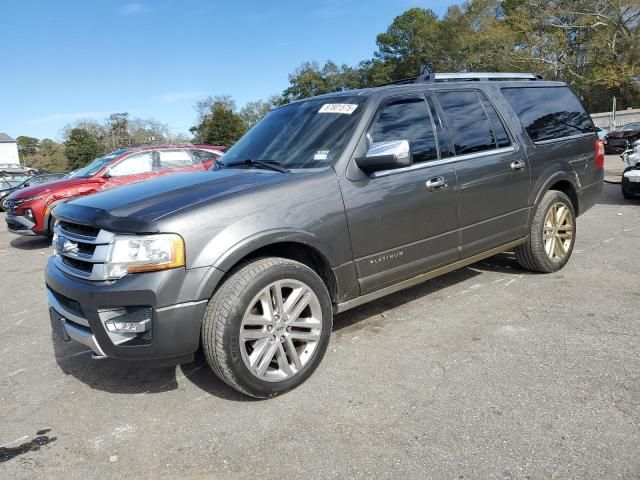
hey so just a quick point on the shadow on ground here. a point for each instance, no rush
(115, 376)
(31, 243)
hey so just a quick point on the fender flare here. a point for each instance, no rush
(558, 177)
(235, 253)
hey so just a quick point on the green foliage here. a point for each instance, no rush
(219, 123)
(82, 147)
(309, 80)
(253, 112)
(26, 146)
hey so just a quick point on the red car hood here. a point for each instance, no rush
(48, 188)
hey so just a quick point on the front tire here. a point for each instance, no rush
(551, 235)
(267, 328)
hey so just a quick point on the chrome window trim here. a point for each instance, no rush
(443, 161)
(562, 139)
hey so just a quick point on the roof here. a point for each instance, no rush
(4, 138)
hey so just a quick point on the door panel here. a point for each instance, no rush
(399, 226)
(492, 171)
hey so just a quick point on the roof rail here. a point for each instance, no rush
(464, 77)
(476, 76)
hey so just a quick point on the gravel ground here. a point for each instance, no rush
(487, 372)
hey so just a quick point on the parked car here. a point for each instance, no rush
(326, 204)
(29, 209)
(14, 185)
(631, 176)
(15, 171)
(618, 140)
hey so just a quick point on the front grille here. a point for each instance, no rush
(82, 250)
(78, 229)
(15, 226)
(11, 206)
(78, 264)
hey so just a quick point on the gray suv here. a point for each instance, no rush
(327, 203)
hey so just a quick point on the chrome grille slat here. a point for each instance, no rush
(87, 259)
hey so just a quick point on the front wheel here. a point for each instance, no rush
(267, 327)
(551, 235)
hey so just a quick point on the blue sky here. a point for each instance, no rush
(67, 60)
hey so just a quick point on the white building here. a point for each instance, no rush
(8, 150)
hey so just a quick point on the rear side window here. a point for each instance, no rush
(406, 118)
(548, 113)
(473, 123)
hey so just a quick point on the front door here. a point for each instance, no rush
(401, 223)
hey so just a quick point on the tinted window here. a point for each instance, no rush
(468, 123)
(547, 113)
(499, 133)
(406, 119)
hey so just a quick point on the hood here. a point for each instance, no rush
(135, 208)
(49, 187)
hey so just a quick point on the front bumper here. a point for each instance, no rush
(171, 298)
(631, 181)
(19, 225)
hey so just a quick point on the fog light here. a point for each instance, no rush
(28, 214)
(116, 325)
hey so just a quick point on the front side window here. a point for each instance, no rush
(305, 134)
(469, 125)
(549, 113)
(406, 118)
(133, 165)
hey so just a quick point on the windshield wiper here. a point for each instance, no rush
(265, 164)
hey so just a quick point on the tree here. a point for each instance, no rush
(219, 123)
(26, 146)
(81, 148)
(309, 80)
(253, 112)
(50, 157)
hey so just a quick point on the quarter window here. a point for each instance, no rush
(406, 118)
(548, 113)
(468, 117)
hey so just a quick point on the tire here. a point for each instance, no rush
(625, 187)
(533, 255)
(238, 310)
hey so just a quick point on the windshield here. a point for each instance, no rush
(95, 166)
(631, 126)
(307, 134)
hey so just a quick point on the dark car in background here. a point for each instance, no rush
(7, 187)
(618, 140)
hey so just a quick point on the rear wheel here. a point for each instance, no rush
(267, 327)
(551, 236)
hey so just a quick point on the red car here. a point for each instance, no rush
(29, 210)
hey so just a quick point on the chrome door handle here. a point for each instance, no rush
(436, 184)
(517, 165)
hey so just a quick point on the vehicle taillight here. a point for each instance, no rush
(599, 154)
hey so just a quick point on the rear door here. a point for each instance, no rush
(492, 170)
(399, 226)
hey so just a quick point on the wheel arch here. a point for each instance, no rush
(294, 245)
(565, 183)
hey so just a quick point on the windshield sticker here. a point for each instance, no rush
(321, 155)
(345, 108)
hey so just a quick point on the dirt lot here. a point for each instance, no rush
(488, 372)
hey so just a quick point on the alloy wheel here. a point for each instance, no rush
(558, 231)
(280, 330)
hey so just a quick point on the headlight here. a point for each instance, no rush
(133, 253)
(20, 201)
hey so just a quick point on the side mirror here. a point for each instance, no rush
(386, 156)
(107, 173)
